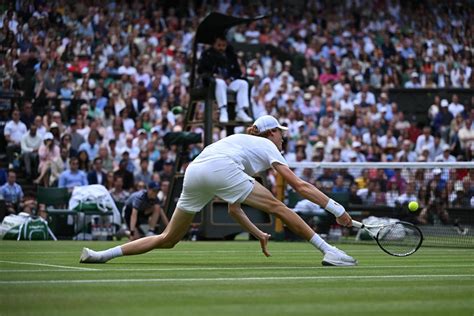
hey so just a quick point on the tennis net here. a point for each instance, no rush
(444, 192)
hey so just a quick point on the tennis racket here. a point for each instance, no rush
(399, 239)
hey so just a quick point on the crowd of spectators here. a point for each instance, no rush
(100, 86)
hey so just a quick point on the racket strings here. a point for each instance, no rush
(399, 239)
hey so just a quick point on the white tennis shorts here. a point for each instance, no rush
(219, 177)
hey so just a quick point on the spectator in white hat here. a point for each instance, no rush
(443, 118)
(414, 82)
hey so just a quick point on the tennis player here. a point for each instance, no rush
(225, 169)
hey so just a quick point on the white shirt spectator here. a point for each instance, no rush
(456, 108)
(140, 143)
(128, 125)
(300, 46)
(131, 71)
(391, 197)
(406, 197)
(338, 91)
(347, 105)
(29, 143)
(370, 99)
(442, 158)
(437, 150)
(422, 141)
(466, 135)
(143, 77)
(408, 156)
(455, 76)
(445, 156)
(385, 140)
(384, 107)
(15, 130)
(41, 130)
(412, 85)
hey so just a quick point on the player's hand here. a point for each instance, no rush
(263, 243)
(344, 220)
(133, 236)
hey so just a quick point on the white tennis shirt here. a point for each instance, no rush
(253, 154)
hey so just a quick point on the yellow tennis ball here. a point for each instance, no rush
(413, 206)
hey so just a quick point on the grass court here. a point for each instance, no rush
(233, 278)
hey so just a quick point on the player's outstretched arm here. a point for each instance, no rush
(313, 194)
(236, 212)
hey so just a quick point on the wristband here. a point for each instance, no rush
(335, 208)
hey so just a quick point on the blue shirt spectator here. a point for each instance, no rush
(91, 149)
(91, 146)
(11, 191)
(339, 186)
(73, 176)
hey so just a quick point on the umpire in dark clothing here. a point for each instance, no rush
(220, 63)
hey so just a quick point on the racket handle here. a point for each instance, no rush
(357, 224)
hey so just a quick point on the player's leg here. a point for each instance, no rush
(193, 198)
(173, 233)
(264, 200)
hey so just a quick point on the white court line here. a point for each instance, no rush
(305, 278)
(47, 265)
(244, 268)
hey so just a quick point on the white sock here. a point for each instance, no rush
(320, 244)
(111, 253)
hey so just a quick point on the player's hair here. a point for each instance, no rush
(253, 130)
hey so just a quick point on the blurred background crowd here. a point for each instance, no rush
(95, 89)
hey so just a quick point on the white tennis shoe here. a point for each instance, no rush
(337, 257)
(241, 116)
(90, 256)
(223, 116)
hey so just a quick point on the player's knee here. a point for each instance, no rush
(167, 241)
